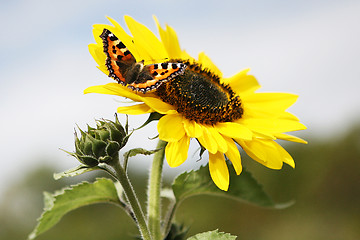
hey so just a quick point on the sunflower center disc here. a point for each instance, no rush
(199, 96)
(200, 91)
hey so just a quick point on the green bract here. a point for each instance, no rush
(100, 144)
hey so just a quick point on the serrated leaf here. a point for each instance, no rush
(213, 235)
(63, 201)
(243, 187)
(74, 171)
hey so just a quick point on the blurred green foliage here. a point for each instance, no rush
(325, 185)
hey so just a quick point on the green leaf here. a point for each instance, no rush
(213, 235)
(61, 202)
(243, 187)
(74, 171)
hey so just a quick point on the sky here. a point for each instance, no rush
(310, 48)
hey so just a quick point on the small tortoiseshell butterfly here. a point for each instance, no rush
(123, 67)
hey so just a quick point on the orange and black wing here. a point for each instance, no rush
(153, 75)
(119, 59)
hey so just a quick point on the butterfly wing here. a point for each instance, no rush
(153, 75)
(123, 67)
(119, 59)
(166, 71)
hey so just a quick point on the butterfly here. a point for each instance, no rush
(123, 67)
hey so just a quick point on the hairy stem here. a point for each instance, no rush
(116, 170)
(154, 203)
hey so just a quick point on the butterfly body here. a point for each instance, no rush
(123, 67)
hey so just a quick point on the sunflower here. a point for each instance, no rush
(220, 113)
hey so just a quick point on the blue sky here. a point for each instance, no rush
(310, 48)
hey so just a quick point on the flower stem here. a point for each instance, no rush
(116, 170)
(154, 205)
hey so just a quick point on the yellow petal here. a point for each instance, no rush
(281, 100)
(219, 139)
(206, 63)
(114, 89)
(135, 109)
(234, 130)
(176, 152)
(272, 125)
(256, 112)
(263, 135)
(192, 129)
(98, 54)
(288, 137)
(288, 116)
(234, 155)
(171, 43)
(219, 171)
(170, 40)
(285, 156)
(152, 48)
(264, 151)
(271, 103)
(170, 128)
(97, 31)
(207, 140)
(159, 106)
(268, 152)
(242, 84)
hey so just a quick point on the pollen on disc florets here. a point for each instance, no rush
(199, 96)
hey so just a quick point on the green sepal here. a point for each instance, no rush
(152, 117)
(98, 146)
(112, 148)
(89, 161)
(102, 134)
(115, 134)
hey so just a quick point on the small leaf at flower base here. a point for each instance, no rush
(213, 235)
(75, 171)
(61, 202)
(136, 151)
(152, 117)
(243, 187)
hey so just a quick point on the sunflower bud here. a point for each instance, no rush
(100, 144)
